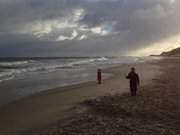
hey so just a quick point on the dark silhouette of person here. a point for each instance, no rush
(134, 81)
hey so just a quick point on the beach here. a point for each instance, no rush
(39, 111)
(89, 67)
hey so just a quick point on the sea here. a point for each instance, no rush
(24, 76)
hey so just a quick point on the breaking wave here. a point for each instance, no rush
(14, 63)
(10, 70)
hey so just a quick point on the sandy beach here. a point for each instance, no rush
(89, 67)
(41, 110)
(154, 111)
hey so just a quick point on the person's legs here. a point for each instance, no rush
(133, 90)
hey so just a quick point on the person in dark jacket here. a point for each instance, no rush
(134, 81)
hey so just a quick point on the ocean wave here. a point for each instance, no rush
(14, 63)
(78, 63)
(7, 78)
(102, 59)
(82, 62)
(10, 71)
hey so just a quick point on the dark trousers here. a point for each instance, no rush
(133, 89)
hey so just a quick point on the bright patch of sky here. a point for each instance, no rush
(42, 28)
(158, 48)
(73, 36)
(172, 1)
(82, 37)
(56, 29)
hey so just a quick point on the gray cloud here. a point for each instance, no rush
(85, 27)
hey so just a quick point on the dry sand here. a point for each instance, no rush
(40, 110)
(155, 111)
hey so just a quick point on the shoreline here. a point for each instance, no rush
(14, 90)
(154, 111)
(41, 109)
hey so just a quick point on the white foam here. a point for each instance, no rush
(102, 59)
(8, 74)
(15, 63)
(87, 61)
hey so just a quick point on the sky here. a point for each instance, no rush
(88, 27)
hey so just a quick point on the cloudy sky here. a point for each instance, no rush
(88, 27)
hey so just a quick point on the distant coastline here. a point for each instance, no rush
(171, 53)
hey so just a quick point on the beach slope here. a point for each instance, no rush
(43, 109)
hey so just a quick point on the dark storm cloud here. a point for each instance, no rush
(84, 27)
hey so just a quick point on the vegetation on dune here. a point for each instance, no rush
(174, 52)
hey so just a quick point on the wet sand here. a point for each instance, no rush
(45, 108)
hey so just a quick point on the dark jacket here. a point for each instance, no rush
(134, 79)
